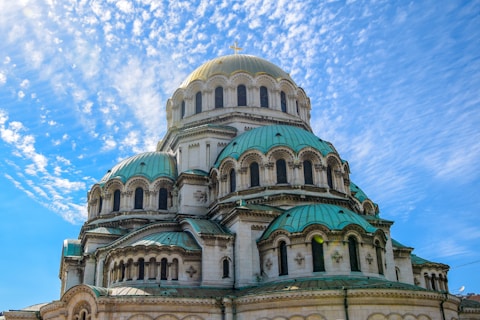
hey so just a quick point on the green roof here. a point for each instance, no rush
(197, 172)
(265, 138)
(150, 165)
(357, 192)
(72, 248)
(203, 226)
(231, 64)
(172, 239)
(331, 216)
(417, 260)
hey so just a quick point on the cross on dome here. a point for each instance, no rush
(235, 47)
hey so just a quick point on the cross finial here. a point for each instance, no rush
(235, 47)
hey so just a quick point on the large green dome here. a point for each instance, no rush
(331, 216)
(150, 165)
(228, 65)
(268, 137)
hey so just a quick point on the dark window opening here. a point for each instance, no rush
(219, 97)
(283, 101)
(162, 199)
(138, 198)
(233, 184)
(281, 171)
(163, 269)
(182, 111)
(317, 254)
(100, 204)
(283, 261)
(353, 251)
(378, 251)
(141, 269)
(226, 268)
(329, 177)
(198, 102)
(263, 97)
(307, 172)
(241, 95)
(116, 200)
(254, 175)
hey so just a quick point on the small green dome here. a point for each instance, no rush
(331, 216)
(150, 165)
(228, 65)
(357, 192)
(268, 137)
(169, 239)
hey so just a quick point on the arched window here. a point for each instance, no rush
(307, 172)
(198, 102)
(353, 252)
(219, 97)
(282, 259)
(317, 254)
(254, 175)
(397, 273)
(122, 271)
(226, 268)
(174, 269)
(162, 199)
(281, 171)
(163, 269)
(182, 110)
(329, 177)
(378, 252)
(433, 280)
(296, 105)
(263, 97)
(283, 101)
(116, 200)
(100, 204)
(241, 95)
(233, 183)
(138, 198)
(141, 269)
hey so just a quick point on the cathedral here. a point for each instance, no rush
(241, 213)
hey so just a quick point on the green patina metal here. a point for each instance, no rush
(231, 64)
(173, 239)
(104, 230)
(202, 226)
(331, 216)
(357, 192)
(72, 248)
(265, 138)
(150, 165)
(196, 172)
(418, 261)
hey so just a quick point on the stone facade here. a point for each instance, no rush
(241, 213)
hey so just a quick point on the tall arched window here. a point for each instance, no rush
(307, 172)
(353, 252)
(162, 199)
(282, 259)
(116, 200)
(254, 175)
(263, 97)
(226, 268)
(241, 95)
(152, 265)
(138, 198)
(141, 269)
(296, 105)
(283, 101)
(219, 97)
(330, 177)
(163, 269)
(281, 171)
(122, 271)
(233, 183)
(198, 102)
(182, 110)
(317, 254)
(378, 252)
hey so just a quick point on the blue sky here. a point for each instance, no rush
(394, 85)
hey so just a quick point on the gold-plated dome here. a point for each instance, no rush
(228, 65)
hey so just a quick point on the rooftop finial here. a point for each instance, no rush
(235, 47)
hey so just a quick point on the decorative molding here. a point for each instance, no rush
(299, 259)
(369, 258)
(191, 271)
(337, 256)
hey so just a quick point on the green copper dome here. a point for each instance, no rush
(268, 137)
(150, 165)
(331, 216)
(228, 65)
